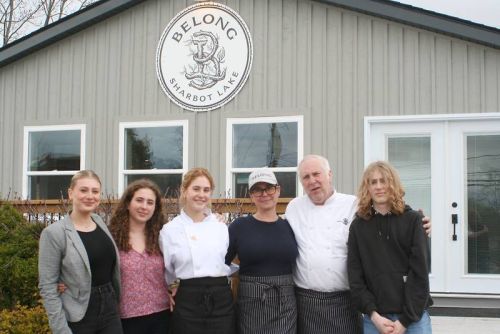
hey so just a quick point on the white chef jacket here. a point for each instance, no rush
(321, 232)
(192, 249)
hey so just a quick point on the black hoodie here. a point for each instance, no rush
(388, 265)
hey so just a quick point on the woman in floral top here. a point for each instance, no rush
(135, 226)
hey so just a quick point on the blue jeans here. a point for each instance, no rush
(423, 326)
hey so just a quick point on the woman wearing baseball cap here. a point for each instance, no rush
(267, 250)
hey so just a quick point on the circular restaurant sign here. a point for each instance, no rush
(204, 56)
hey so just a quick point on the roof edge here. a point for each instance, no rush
(60, 29)
(424, 19)
(390, 10)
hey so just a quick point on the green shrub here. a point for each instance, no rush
(24, 320)
(18, 259)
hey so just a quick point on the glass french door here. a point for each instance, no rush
(450, 167)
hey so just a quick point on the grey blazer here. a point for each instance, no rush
(63, 258)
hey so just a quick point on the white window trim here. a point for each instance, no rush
(153, 124)
(369, 120)
(46, 128)
(261, 120)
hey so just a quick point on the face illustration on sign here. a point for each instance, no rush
(204, 56)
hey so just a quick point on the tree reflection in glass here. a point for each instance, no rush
(483, 204)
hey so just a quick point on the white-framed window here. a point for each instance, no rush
(274, 142)
(153, 150)
(52, 155)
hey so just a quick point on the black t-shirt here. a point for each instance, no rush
(264, 249)
(101, 254)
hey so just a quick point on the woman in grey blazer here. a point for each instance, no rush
(80, 252)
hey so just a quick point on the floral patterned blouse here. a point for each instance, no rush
(144, 289)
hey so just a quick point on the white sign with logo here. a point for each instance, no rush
(204, 56)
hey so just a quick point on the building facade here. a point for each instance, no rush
(352, 80)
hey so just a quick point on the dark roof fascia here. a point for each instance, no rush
(423, 19)
(69, 25)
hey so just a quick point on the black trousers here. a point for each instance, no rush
(102, 313)
(155, 323)
(204, 306)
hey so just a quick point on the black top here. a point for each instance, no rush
(387, 265)
(101, 254)
(264, 249)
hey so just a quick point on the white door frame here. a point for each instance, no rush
(459, 279)
(446, 274)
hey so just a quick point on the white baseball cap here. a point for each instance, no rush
(261, 175)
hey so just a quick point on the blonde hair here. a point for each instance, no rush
(189, 177)
(83, 174)
(395, 188)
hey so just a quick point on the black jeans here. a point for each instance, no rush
(102, 315)
(155, 323)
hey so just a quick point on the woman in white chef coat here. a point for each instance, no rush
(194, 246)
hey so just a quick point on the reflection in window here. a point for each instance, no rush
(154, 147)
(154, 151)
(411, 156)
(54, 150)
(483, 204)
(49, 187)
(264, 142)
(53, 154)
(268, 144)
(169, 184)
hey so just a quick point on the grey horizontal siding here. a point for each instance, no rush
(332, 65)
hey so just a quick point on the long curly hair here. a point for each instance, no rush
(119, 225)
(396, 191)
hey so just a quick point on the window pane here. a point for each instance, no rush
(169, 183)
(54, 150)
(287, 181)
(412, 158)
(483, 201)
(48, 187)
(148, 148)
(261, 145)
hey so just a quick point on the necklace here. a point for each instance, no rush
(87, 226)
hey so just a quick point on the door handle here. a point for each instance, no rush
(454, 221)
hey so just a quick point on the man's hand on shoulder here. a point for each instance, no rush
(426, 221)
